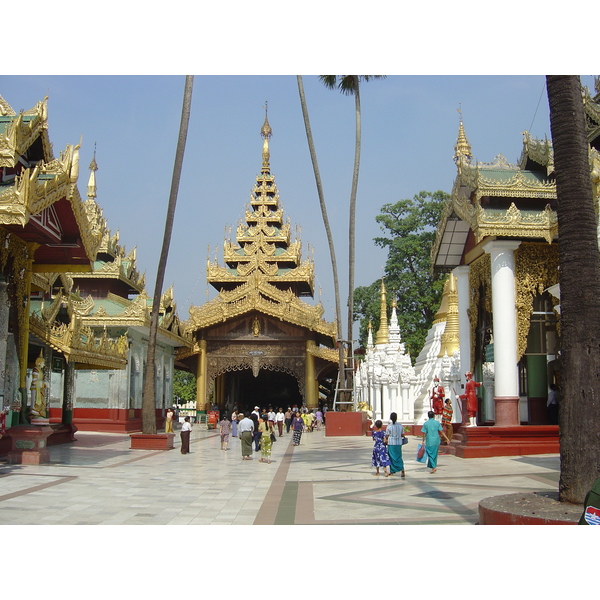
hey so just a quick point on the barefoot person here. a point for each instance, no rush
(245, 430)
(432, 431)
(394, 434)
(186, 430)
(380, 457)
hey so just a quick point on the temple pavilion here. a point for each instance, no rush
(499, 236)
(46, 231)
(258, 343)
(74, 314)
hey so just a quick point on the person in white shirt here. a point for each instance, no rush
(245, 430)
(279, 419)
(186, 430)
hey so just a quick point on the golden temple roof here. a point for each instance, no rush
(497, 199)
(263, 270)
(263, 243)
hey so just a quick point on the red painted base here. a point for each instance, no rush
(156, 441)
(521, 440)
(541, 508)
(107, 420)
(346, 423)
(29, 444)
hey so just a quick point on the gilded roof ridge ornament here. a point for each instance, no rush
(462, 147)
(91, 188)
(266, 132)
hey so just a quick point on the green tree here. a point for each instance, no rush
(184, 387)
(410, 225)
(148, 393)
(579, 278)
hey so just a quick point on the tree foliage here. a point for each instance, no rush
(410, 226)
(184, 387)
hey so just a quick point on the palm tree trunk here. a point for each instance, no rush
(336, 285)
(579, 258)
(149, 395)
(352, 228)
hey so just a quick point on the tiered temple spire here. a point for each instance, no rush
(383, 331)
(263, 250)
(462, 147)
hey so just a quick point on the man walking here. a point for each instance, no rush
(279, 419)
(245, 430)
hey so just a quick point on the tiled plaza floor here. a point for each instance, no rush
(99, 480)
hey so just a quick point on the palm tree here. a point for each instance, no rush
(350, 85)
(336, 285)
(148, 395)
(579, 259)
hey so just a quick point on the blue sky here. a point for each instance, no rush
(410, 125)
(115, 78)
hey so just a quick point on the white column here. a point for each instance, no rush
(408, 408)
(462, 287)
(464, 326)
(506, 397)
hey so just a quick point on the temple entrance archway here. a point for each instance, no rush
(269, 388)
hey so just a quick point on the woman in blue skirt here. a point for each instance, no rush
(380, 455)
(394, 434)
(432, 430)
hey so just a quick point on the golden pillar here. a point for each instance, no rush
(310, 382)
(201, 377)
(24, 329)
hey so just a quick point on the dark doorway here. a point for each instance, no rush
(270, 388)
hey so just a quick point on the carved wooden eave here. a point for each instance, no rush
(22, 132)
(328, 354)
(218, 275)
(475, 182)
(124, 271)
(591, 107)
(258, 294)
(541, 152)
(80, 344)
(135, 314)
(537, 151)
(37, 189)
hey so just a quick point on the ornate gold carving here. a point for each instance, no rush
(513, 222)
(480, 278)
(539, 151)
(22, 132)
(79, 344)
(536, 268)
(257, 294)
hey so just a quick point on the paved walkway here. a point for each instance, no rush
(98, 480)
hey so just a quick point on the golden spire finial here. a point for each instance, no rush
(383, 331)
(462, 148)
(91, 191)
(266, 132)
(450, 339)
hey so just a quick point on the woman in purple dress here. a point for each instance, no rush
(380, 453)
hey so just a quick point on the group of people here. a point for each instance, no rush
(260, 429)
(388, 442)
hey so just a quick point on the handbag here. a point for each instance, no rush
(404, 440)
(273, 438)
(421, 453)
